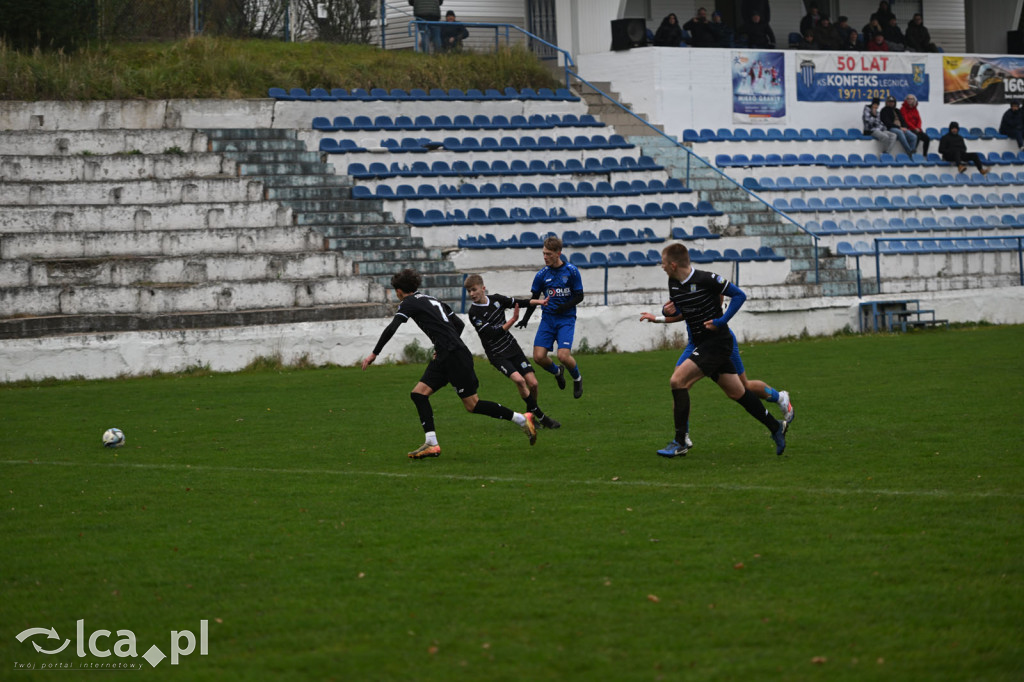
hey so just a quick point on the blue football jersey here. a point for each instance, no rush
(558, 284)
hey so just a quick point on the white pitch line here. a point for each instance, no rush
(948, 494)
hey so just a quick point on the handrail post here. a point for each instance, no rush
(878, 268)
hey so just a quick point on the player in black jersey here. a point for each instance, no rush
(487, 315)
(452, 362)
(697, 296)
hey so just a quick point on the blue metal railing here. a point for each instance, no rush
(414, 28)
(690, 154)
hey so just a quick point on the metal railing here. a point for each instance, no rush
(690, 155)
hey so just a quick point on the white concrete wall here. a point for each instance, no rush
(96, 356)
(690, 88)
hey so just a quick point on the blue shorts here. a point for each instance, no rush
(555, 330)
(736, 362)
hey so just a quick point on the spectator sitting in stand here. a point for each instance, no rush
(810, 20)
(452, 33)
(878, 44)
(759, 35)
(808, 42)
(843, 28)
(670, 33)
(952, 148)
(919, 39)
(912, 118)
(894, 123)
(894, 36)
(722, 32)
(853, 42)
(1012, 124)
(699, 29)
(826, 36)
(873, 127)
(870, 30)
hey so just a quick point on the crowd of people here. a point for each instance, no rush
(817, 31)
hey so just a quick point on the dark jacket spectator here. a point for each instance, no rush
(759, 34)
(952, 148)
(894, 36)
(452, 33)
(721, 31)
(870, 30)
(808, 42)
(810, 20)
(853, 42)
(883, 14)
(749, 8)
(826, 36)
(878, 44)
(919, 38)
(699, 29)
(843, 28)
(1012, 124)
(670, 33)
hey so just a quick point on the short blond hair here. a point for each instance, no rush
(553, 243)
(473, 281)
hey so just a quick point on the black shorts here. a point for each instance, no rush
(453, 367)
(714, 356)
(512, 362)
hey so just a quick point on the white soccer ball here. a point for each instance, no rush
(113, 438)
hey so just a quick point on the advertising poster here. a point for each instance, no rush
(982, 80)
(758, 87)
(860, 76)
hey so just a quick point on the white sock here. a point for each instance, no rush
(518, 418)
(431, 438)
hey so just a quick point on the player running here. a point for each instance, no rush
(487, 315)
(452, 362)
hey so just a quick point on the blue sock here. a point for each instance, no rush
(575, 372)
(773, 395)
(553, 368)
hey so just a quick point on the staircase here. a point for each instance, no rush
(745, 217)
(322, 201)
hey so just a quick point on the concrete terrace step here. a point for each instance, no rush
(64, 143)
(273, 157)
(356, 244)
(393, 255)
(250, 134)
(339, 217)
(286, 168)
(101, 192)
(114, 167)
(194, 269)
(299, 180)
(186, 297)
(59, 325)
(390, 267)
(96, 244)
(382, 230)
(307, 193)
(256, 145)
(82, 218)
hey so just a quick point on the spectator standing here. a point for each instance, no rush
(826, 36)
(721, 31)
(873, 127)
(878, 44)
(759, 35)
(748, 8)
(919, 39)
(883, 14)
(430, 34)
(952, 148)
(894, 123)
(894, 36)
(810, 20)
(452, 33)
(1012, 124)
(699, 29)
(670, 33)
(912, 118)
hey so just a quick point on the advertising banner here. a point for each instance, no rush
(758, 87)
(860, 76)
(982, 80)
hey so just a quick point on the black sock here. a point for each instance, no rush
(426, 413)
(493, 409)
(531, 403)
(752, 404)
(681, 412)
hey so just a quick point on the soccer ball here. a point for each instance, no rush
(113, 438)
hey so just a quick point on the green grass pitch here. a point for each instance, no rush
(279, 506)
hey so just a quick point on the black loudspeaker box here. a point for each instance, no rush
(627, 33)
(1015, 42)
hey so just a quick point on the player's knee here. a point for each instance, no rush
(564, 355)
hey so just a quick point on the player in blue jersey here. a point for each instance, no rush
(452, 362)
(560, 284)
(697, 297)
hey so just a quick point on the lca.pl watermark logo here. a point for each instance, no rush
(98, 644)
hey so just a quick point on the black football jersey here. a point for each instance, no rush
(699, 299)
(488, 319)
(435, 318)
